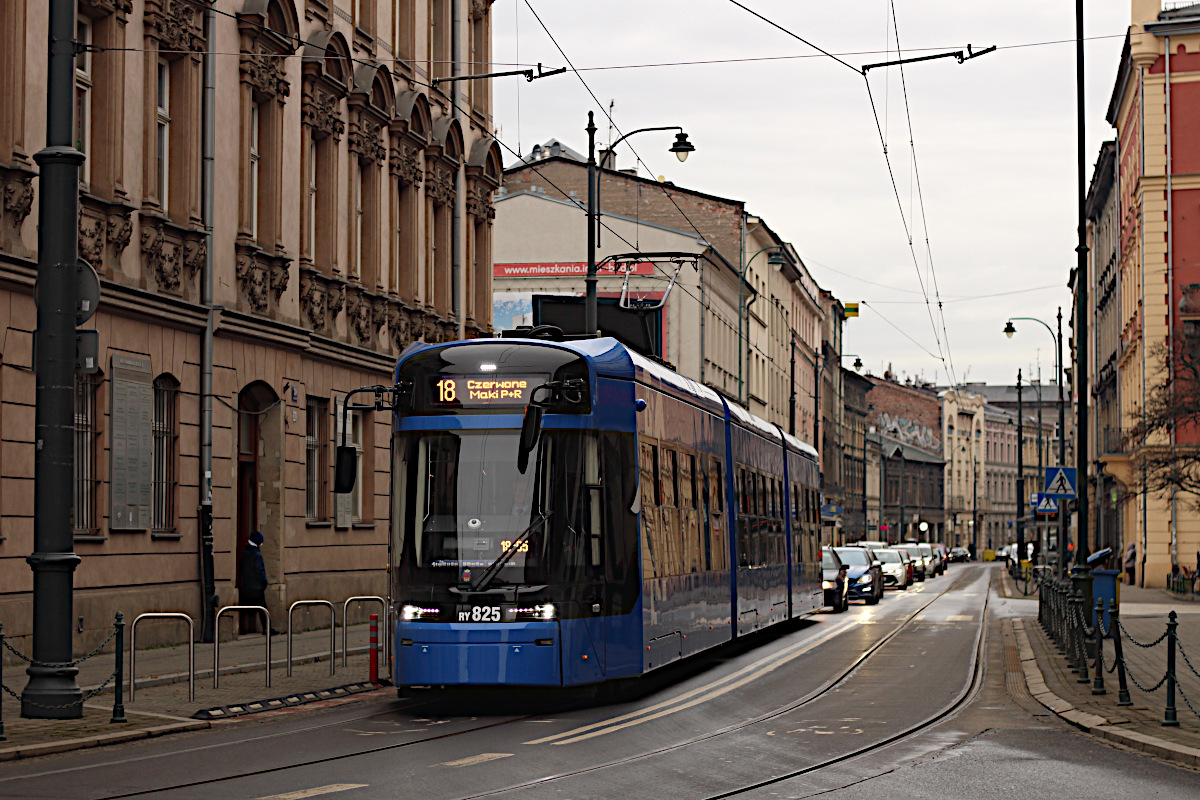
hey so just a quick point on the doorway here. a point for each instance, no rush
(253, 403)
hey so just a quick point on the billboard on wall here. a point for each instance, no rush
(558, 269)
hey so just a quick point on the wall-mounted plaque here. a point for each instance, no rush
(131, 454)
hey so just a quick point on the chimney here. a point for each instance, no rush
(608, 159)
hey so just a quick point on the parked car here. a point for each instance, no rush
(895, 566)
(960, 554)
(863, 572)
(936, 558)
(833, 580)
(918, 560)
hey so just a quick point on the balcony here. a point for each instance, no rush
(1114, 441)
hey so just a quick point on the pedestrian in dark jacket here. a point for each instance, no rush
(253, 589)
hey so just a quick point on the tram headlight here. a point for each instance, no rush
(827, 585)
(538, 613)
(411, 613)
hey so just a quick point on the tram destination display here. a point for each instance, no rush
(482, 391)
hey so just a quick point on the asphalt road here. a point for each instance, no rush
(910, 698)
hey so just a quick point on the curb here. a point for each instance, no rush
(1091, 723)
(66, 745)
(286, 701)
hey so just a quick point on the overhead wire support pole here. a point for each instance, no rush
(528, 73)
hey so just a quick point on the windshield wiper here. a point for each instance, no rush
(491, 572)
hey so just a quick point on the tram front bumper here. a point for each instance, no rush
(470, 654)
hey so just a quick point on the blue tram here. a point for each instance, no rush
(566, 513)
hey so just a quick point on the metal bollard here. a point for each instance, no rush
(3, 738)
(1081, 637)
(374, 648)
(1114, 614)
(1170, 719)
(1098, 682)
(118, 714)
(1072, 651)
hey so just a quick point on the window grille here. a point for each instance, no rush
(316, 459)
(166, 439)
(84, 520)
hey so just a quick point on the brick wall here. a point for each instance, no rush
(911, 415)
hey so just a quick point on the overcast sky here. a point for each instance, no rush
(796, 139)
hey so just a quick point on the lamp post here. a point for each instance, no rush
(776, 259)
(1009, 330)
(681, 148)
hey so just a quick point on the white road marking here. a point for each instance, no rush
(960, 618)
(316, 791)
(706, 693)
(473, 760)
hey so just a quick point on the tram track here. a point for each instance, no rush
(830, 684)
(961, 700)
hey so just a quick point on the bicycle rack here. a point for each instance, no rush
(191, 648)
(387, 634)
(332, 632)
(217, 641)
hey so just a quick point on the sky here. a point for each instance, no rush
(792, 133)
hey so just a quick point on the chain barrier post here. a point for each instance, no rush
(1114, 613)
(1072, 651)
(374, 675)
(118, 714)
(3, 738)
(1081, 636)
(1170, 720)
(1098, 682)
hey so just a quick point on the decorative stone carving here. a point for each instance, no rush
(405, 164)
(322, 114)
(399, 324)
(16, 200)
(365, 313)
(263, 69)
(177, 24)
(120, 231)
(479, 202)
(280, 276)
(366, 141)
(102, 8)
(252, 277)
(91, 241)
(172, 255)
(321, 298)
(479, 8)
(439, 184)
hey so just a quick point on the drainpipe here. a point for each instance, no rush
(1171, 306)
(208, 589)
(1142, 311)
(460, 179)
(703, 306)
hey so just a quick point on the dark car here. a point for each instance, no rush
(960, 554)
(833, 580)
(864, 573)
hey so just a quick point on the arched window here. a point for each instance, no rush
(165, 477)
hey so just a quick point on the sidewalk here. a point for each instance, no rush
(161, 703)
(1144, 614)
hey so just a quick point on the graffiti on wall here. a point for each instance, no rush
(909, 432)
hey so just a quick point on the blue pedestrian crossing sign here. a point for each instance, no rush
(1060, 482)
(1045, 504)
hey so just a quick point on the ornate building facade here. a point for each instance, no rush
(351, 214)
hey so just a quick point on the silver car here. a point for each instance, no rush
(895, 567)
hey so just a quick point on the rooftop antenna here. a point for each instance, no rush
(612, 105)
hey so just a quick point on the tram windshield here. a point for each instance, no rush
(466, 511)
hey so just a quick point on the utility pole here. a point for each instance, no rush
(53, 560)
(1020, 470)
(590, 324)
(1082, 549)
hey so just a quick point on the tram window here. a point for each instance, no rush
(693, 499)
(762, 494)
(669, 483)
(716, 485)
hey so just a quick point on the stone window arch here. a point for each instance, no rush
(326, 81)
(410, 133)
(269, 32)
(485, 172)
(442, 160)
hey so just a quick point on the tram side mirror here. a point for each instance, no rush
(345, 469)
(531, 427)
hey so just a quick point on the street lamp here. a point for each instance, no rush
(681, 148)
(858, 362)
(1009, 330)
(775, 259)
